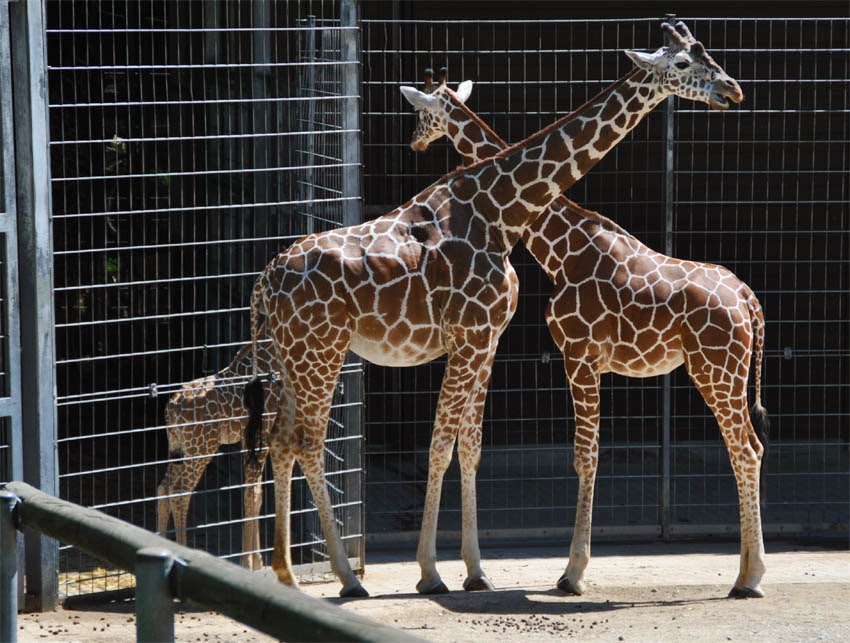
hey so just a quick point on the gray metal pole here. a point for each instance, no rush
(35, 254)
(667, 385)
(309, 90)
(8, 568)
(154, 603)
(352, 214)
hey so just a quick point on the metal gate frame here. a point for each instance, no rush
(35, 284)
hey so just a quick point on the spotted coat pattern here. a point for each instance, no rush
(432, 277)
(620, 307)
(203, 415)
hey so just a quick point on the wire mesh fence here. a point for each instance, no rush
(761, 189)
(190, 142)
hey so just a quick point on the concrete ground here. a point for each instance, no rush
(636, 592)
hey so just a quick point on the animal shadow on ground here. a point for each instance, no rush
(528, 601)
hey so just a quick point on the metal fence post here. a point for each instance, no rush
(667, 385)
(35, 254)
(8, 568)
(154, 602)
(352, 214)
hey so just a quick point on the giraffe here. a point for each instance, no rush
(620, 307)
(432, 278)
(204, 414)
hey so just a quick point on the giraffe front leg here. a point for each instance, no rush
(469, 453)
(185, 477)
(584, 387)
(163, 502)
(439, 457)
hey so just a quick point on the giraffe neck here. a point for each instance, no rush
(547, 237)
(523, 180)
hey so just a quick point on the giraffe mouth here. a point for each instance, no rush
(720, 98)
(418, 146)
(718, 101)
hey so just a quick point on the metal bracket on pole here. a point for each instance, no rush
(154, 601)
(8, 567)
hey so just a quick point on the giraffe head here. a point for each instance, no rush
(685, 69)
(433, 105)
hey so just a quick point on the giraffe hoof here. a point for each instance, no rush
(566, 585)
(355, 591)
(425, 588)
(746, 592)
(480, 584)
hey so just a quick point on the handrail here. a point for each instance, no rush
(261, 602)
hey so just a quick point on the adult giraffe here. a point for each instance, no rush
(430, 278)
(620, 307)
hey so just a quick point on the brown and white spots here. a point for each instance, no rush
(620, 307)
(205, 414)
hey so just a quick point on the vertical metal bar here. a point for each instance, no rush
(8, 568)
(35, 251)
(352, 214)
(10, 403)
(309, 121)
(154, 603)
(666, 392)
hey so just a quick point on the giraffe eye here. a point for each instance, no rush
(681, 64)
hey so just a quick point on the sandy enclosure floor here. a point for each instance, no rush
(646, 592)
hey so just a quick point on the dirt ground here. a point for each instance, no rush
(637, 593)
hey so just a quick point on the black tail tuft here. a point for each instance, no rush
(761, 424)
(254, 398)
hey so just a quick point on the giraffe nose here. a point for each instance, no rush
(731, 89)
(418, 145)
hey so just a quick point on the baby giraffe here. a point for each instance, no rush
(620, 307)
(433, 278)
(203, 415)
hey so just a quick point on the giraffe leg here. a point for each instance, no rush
(313, 465)
(163, 502)
(727, 398)
(186, 476)
(283, 459)
(251, 558)
(312, 378)
(469, 454)
(584, 387)
(454, 406)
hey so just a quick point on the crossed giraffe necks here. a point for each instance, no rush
(522, 180)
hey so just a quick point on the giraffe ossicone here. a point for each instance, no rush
(618, 306)
(430, 278)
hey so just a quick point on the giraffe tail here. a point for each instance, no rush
(253, 397)
(758, 414)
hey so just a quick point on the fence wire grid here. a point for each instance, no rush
(761, 189)
(190, 142)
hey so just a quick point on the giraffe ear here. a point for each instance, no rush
(419, 100)
(641, 59)
(464, 90)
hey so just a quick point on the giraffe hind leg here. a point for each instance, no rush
(584, 388)
(726, 397)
